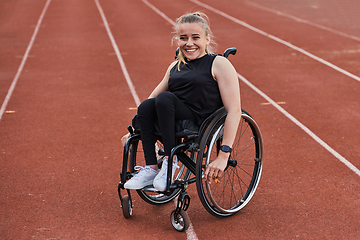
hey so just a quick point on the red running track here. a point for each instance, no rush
(60, 150)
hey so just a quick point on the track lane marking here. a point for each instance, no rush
(302, 20)
(159, 12)
(289, 116)
(302, 126)
(23, 61)
(190, 233)
(118, 55)
(353, 76)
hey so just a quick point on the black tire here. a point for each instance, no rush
(151, 196)
(126, 206)
(180, 221)
(241, 177)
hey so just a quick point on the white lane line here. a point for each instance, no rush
(302, 126)
(302, 20)
(278, 40)
(190, 232)
(118, 54)
(159, 12)
(293, 119)
(23, 61)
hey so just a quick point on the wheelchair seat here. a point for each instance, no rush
(183, 128)
(186, 129)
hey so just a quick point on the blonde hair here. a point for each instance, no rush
(196, 17)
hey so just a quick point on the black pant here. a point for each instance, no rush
(165, 109)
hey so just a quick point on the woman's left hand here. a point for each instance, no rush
(216, 168)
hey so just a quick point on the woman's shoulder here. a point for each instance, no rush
(172, 65)
(221, 61)
(221, 65)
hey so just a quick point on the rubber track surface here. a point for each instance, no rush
(60, 148)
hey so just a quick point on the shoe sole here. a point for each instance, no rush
(148, 183)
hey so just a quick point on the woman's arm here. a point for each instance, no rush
(163, 85)
(228, 82)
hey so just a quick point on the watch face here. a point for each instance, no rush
(225, 148)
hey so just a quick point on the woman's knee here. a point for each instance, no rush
(146, 107)
(165, 99)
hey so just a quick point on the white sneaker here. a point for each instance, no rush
(160, 179)
(143, 178)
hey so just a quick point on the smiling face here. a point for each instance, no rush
(192, 40)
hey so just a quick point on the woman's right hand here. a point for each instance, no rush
(124, 139)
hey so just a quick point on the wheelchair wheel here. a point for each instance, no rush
(126, 206)
(180, 221)
(150, 195)
(242, 175)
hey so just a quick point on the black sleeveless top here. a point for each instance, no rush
(195, 86)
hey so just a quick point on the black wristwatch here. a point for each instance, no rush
(226, 148)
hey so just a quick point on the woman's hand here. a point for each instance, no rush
(124, 139)
(216, 168)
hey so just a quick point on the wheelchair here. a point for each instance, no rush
(195, 149)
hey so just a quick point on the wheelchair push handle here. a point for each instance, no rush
(130, 129)
(227, 52)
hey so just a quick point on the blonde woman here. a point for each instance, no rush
(194, 86)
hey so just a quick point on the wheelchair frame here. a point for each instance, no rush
(195, 151)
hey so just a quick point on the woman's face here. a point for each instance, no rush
(192, 40)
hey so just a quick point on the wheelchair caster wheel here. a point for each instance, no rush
(180, 221)
(126, 206)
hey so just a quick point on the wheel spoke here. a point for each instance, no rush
(241, 176)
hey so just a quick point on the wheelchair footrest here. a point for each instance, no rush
(179, 184)
(149, 188)
(128, 176)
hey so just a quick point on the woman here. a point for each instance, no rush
(194, 86)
